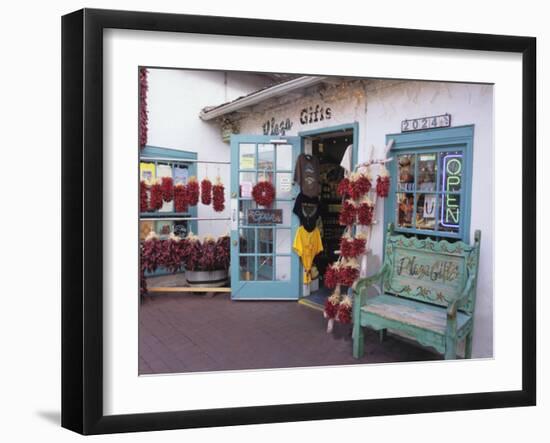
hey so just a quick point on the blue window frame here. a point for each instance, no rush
(431, 181)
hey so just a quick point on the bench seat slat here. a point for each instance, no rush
(420, 315)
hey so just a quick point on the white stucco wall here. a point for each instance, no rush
(379, 107)
(174, 100)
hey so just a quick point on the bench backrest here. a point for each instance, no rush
(430, 271)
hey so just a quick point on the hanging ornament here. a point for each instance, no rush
(192, 191)
(331, 305)
(206, 191)
(360, 184)
(383, 182)
(347, 214)
(218, 196)
(180, 198)
(263, 193)
(167, 186)
(143, 203)
(365, 211)
(344, 310)
(343, 188)
(155, 202)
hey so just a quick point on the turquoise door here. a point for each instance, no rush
(263, 266)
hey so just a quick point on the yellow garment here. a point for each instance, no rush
(307, 245)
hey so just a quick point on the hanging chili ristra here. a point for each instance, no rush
(218, 196)
(360, 185)
(347, 214)
(343, 188)
(192, 191)
(206, 191)
(167, 186)
(365, 212)
(143, 203)
(180, 198)
(331, 305)
(383, 182)
(344, 310)
(155, 201)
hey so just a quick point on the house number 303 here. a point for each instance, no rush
(417, 124)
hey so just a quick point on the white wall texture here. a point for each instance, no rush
(378, 106)
(174, 100)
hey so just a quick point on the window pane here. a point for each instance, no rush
(265, 240)
(425, 211)
(282, 268)
(282, 241)
(284, 185)
(405, 177)
(449, 213)
(284, 157)
(404, 209)
(451, 171)
(265, 268)
(247, 240)
(266, 157)
(287, 211)
(244, 206)
(246, 181)
(247, 156)
(248, 267)
(427, 172)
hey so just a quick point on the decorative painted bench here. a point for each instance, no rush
(429, 292)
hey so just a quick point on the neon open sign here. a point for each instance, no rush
(452, 182)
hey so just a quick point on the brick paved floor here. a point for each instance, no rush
(191, 332)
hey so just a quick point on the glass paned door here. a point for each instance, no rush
(263, 266)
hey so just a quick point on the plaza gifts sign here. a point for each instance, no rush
(452, 183)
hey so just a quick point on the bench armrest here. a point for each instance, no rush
(361, 285)
(453, 306)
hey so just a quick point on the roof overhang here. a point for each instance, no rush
(259, 96)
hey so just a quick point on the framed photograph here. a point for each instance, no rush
(269, 221)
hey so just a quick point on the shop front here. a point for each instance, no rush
(284, 151)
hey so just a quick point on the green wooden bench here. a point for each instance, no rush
(429, 292)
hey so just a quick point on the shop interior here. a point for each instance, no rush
(329, 148)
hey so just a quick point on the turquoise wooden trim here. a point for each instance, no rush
(458, 138)
(254, 289)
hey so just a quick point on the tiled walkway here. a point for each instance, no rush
(189, 332)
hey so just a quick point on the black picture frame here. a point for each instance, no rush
(82, 215)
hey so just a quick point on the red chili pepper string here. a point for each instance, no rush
(180, 198)
(218, 197)
(155, 201)
(192, 192)
(143, 200)
(206, 191)
(167, 186)
(382, 186)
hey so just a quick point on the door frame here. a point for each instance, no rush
(354, 127)
(235, 239)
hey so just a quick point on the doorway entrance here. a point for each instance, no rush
(336, 150)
